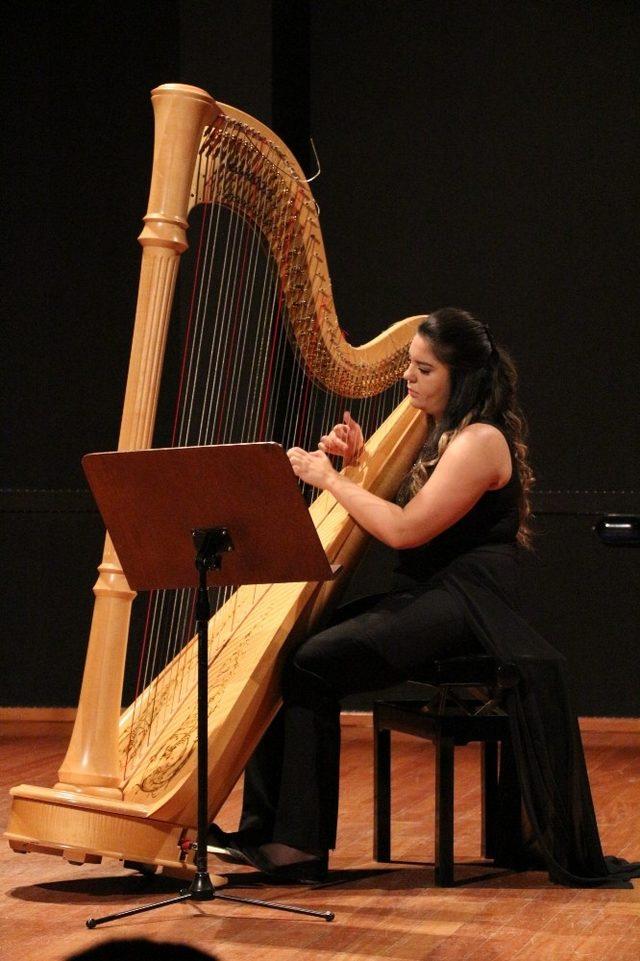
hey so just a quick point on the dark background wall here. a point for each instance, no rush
(483, 155)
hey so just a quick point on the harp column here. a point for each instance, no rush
(92, 764)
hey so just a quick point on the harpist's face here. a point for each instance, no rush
(428, 379)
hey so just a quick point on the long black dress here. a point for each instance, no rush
(456, 594)
(476, 562)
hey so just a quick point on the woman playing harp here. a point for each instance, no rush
(263, 359)
(458, 522)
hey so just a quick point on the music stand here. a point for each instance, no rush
(165, 507)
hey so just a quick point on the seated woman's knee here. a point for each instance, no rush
(308, 673)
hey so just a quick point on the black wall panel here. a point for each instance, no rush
(474, 154)
(485, 156)
(78, 135)
(54, 543)
(582, 596)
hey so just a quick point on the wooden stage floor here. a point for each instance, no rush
(382, 911)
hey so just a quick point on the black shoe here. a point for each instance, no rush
(225, 846)
(311, 871)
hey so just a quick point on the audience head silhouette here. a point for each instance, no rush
(141, 949)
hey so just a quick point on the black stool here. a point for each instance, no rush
(467, 705)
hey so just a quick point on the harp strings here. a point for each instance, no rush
(242, 377)
(226, 291)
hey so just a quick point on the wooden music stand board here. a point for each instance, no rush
(172, 513)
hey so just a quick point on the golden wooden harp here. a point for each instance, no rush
(127, 786)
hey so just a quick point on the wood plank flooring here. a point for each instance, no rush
(382, 911)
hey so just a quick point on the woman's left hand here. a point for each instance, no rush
(313, 467)
(345, 440)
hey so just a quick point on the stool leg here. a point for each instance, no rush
(444, 812)
(382, 795)
(489, 776)
(511, 797)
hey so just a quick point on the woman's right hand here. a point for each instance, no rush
(345, 440)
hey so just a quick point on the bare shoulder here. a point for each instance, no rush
(484, 443)
(485, 434)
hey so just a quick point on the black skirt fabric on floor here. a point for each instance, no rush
(558, 829)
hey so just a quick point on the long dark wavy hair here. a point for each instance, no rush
(483, 386)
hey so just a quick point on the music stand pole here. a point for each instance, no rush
(210, 544)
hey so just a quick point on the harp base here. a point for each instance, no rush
(80, 835)
(92, 789)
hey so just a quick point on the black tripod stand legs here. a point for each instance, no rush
(209, 895)
(326, 915)
(94, 922)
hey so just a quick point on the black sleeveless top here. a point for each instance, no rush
(494, 519)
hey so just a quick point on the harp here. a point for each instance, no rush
(264, 359)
